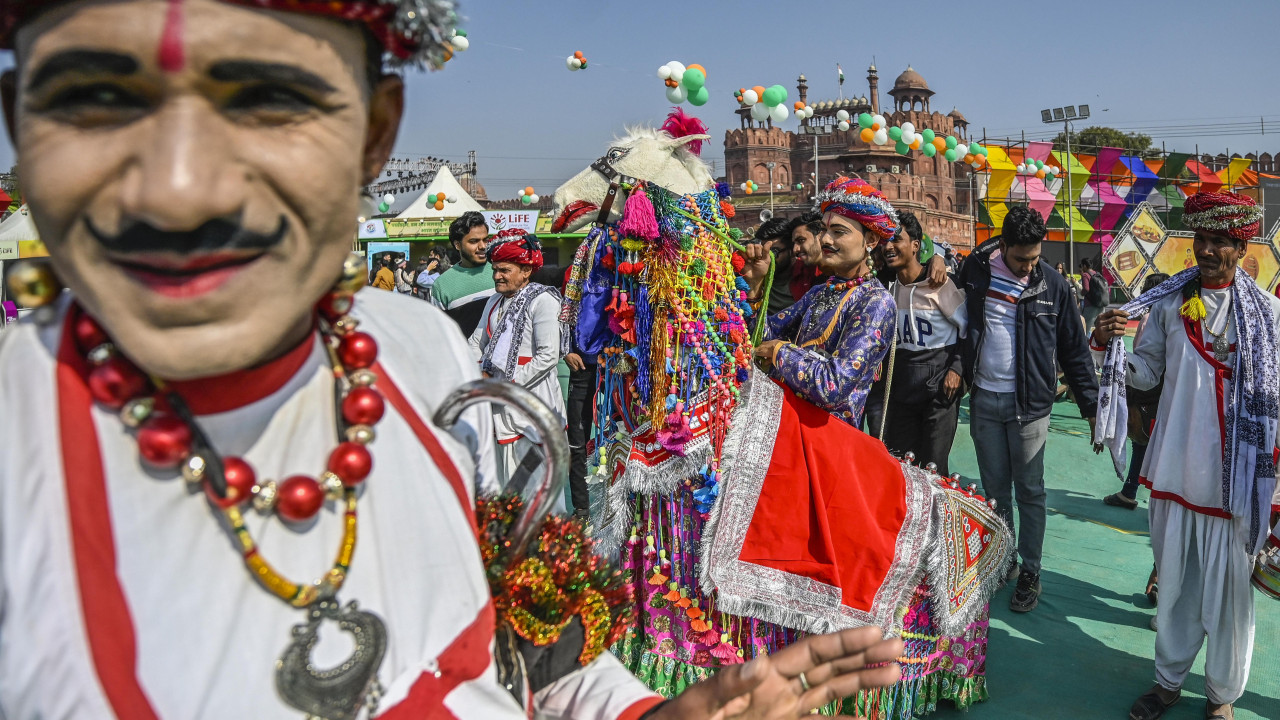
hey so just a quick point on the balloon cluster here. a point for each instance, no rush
(749, 187)
(765, 103)
(1038, 168)
(803, 112)
(438, 199)
(459, 41)
(528, 196)
(385, 205)
(874, 129)
(576, 61)
(685, 83)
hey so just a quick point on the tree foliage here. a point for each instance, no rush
(1092, 138)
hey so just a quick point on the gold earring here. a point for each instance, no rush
(33, 284)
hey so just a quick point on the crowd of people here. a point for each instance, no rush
(216, 369)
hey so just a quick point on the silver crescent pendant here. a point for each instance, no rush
(340, 692)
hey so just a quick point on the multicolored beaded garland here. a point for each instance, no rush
(169, 439)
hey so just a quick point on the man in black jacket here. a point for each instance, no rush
(1023, 323)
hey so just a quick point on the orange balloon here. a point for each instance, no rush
(748, 189)
(759, 92)
(439, 205)
(696, 66)
(1040, 174)
(528, 190)
(940, 143)
(440, 195)
(866, 134)
(577, 54)
(915, 144)
(968, 157)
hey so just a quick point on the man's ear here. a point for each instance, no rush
(9, 96)
(386, 107)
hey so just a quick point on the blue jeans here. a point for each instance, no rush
(1011, 461)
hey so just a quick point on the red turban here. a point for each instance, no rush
(411, 31)
(516, 246)
(1225, 212)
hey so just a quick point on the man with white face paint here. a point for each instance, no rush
(195, 167)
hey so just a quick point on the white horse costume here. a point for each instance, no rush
(742, 514)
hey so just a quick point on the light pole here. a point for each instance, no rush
(771, 166)
(1065, 115)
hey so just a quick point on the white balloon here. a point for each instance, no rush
(743, 186)
(451, 199)
(533, 198)
(677, 94)
(750, 98)
(779, 113)
(908, 129)
(908, 136)
(677, 70)
(664, 72)
(759, 112)
(842, 115)
(388, 198)
(1022, 168)
(881, 137)
(879, 119)
(842, 125)
(962, 149)
(460, 43)
(808, 112)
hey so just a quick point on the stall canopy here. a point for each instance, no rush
(446, 183)
(18, 227)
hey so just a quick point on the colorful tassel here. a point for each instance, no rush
(638, 218)
(1193, 309)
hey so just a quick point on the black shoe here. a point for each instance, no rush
(1026, 596)
(1119, 500)
(1012, 574)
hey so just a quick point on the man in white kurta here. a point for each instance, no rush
(519, 340)
(79, 641)
(1204, 544)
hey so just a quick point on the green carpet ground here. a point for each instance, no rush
(1086, 651)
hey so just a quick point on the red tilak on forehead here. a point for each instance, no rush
(172, 56)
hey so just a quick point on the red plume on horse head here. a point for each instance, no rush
(679, 125)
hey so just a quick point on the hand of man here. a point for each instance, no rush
(835, 666)
(1110, 324)
(758, 259)
(574, 361)
(951, 384)
(767, 352)
(937, 271)
(1093, 433)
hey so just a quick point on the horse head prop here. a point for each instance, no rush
(667, 156)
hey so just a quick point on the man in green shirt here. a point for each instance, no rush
(462, 290)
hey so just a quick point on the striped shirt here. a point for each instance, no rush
(997, 365)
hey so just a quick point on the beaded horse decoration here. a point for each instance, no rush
(654, 292)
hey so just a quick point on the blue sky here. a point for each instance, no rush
(1140, 65)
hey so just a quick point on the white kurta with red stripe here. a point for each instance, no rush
(122, 596)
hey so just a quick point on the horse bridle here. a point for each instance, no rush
(616, 181)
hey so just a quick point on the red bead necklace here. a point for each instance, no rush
(168, 437)
(843, 285)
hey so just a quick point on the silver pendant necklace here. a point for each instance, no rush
(1221, 350)
(340, 692)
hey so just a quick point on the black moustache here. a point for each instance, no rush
(213, 235)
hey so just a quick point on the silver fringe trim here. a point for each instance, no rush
(783, 598)
(953, 621)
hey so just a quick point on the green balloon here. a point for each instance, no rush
(901, 147)
(783, 91)
(950, 154)
(865, 120)
(693, 79)
(929, 150)
(1039, 164)
(951, 143)
(431, 199)
(383, 207)
(927, 135)
(895, 133)
(772, 96)
(525, 199)
(699, 96)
